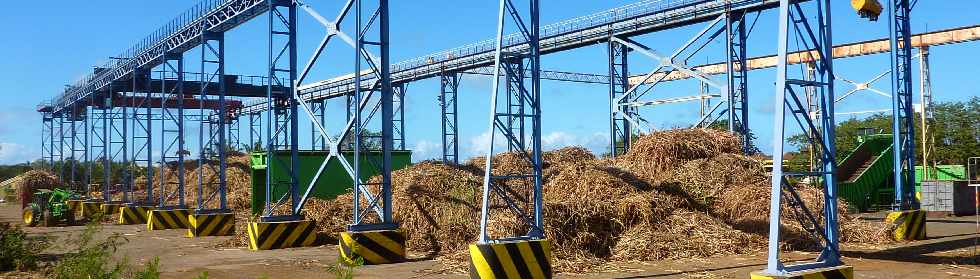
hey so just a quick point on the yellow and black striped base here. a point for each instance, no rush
(75, 206)
(215, 224)
(167, 219)
(110, 209)
(520, 259)
(90, 209)
(279, 235)
(373, 247)
(133, 215)
(909, 224)
(837, 272)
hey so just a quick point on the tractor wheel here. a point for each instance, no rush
(28, 216)
(48, 219)
(70, 217)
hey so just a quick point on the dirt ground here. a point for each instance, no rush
(948, 253)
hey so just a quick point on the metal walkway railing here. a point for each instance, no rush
(634, 19)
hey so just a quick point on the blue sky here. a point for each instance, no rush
(47, 49)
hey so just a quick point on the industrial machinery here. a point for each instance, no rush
(867, 8)
(48, 207)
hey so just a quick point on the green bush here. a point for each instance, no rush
(17, 250)
(343, 269)
(93, 259)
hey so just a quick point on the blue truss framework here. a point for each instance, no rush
(96, 143)
(634, 19)
(213, 148)
(47, 140)
(517, 192)
(171, 191)
(281, 117)
(142, 138)
(814, 35)
(621, 131)
(449, 89)
(177, 36)
(738, 97)
(731, 29)
(903, 122)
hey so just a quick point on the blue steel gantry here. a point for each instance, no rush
(519, 191)
(903, 122)
(812, 32)
(117, 105)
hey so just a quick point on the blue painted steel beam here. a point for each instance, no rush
(620, 130)
(794, 21)
(212, 145)
(635, 19)
(178, 36)
(379, 200)
(527, 205)
(47, 162)
(738, 99)
(317, 140)
(449, 89)
(281, 117)
(903, 125)
(172, 141)
(142, 138)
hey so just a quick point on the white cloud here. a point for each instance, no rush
(13, 153)
(424, 150)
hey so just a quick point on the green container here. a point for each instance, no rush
(332, 182)
(940, 173)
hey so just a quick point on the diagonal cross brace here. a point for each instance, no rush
(333, 29)
(670, 62)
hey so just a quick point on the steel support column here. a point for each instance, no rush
(142, 135)
(519, 191)
(282, 118)
(47, 141)
(398, 120)
(372, 53)
(317, 140)
(925, 95)
(118, 135)
(816, 40)
(79, 148)
(211, 181)
(620, 130)
(513, 68)
(449, 87)
(172, 143)
(59, 121)
(738, 99)
(903, 124)
(97, 142)
(233, 127)
(255, 132)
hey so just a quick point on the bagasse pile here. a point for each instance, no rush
(237, 177)
(34, 180)
(676, 194)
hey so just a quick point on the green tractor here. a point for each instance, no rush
(49, 207)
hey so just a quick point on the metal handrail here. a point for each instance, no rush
(189, 17)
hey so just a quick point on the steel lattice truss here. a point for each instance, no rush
(639, 18)
(813, 34)
(178, 36)
(903, 124)
(515, 192)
